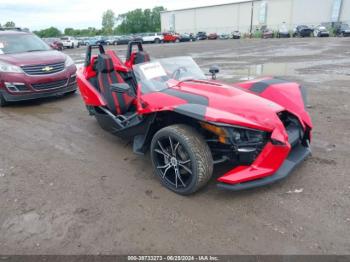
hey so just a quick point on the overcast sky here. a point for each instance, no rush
(39, 14)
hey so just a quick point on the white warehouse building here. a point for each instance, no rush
(244, 15)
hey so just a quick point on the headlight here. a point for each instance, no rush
(237, 136)
(244, 137)
(69, 61)
(8, 68)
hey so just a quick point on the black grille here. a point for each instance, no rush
(73, 79)
(43, 69)
(21, 87)
(50, 85)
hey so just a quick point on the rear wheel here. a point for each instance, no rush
(3, 102)
(157, 41)
(177, 40)
(181, 159)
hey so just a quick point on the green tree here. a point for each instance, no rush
(155, 18)
(10, 24)
(48, 32)
(139, 21)
(108, 21)
(69, 31)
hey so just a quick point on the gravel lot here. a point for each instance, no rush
(68, 187)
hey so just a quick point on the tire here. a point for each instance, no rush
(3, 102)
(156, 41)
(72, 45)
(70, 93)
(181, 159)
(177, 40)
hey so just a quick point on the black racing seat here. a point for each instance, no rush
(141, 57)
(118, 103)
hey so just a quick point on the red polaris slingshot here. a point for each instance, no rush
(190, 123)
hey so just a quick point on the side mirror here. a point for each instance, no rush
(213, 70)
(120, 87)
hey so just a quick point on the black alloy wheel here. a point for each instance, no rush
(181, 158)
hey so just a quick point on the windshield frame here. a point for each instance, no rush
(166, 73)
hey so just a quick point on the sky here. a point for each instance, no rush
(39, 14)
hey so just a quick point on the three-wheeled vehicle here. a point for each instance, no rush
(190, 123)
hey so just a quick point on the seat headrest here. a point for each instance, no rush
(141, 57)
(104, 64)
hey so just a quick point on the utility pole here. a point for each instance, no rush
(251, 19)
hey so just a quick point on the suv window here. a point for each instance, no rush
(21, 43)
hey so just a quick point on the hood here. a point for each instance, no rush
(231, 105)
(34, 58)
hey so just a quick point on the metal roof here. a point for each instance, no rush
(199, 7)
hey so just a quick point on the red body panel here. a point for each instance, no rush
(286, 94)
(169, 37)
(89, 94)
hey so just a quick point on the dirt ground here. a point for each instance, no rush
(68, 187)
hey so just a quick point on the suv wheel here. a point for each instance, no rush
(157, 41)
(3, 102)
(181, 159)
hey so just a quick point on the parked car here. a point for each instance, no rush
(303, 31)
(97, 40)
(54, 43)
(89, 41)
(187, 38)
(69, 42)
(171, 37)
(201, 36)
(30, 69)
(111, 40)
(321, 31)
(266, 32)
(101, 40)
(81, 40)
(213, 36)
(152, 38)
(224, 36)
(189, 123)
(124, 39)
(342, 30)
(137, 37)
(236, 35)
(283, 31)
(85, 41)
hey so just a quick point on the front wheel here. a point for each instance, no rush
(3, 102)
(70, 93)
(181, 159)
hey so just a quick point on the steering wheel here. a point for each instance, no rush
(177, 73)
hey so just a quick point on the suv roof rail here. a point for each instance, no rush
(13, 29)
